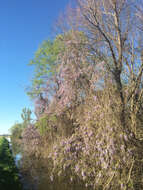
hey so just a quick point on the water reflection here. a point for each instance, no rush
(18, 159)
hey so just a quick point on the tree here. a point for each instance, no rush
(45, 64)
(8, 171)
(98, 96)
(16, 136)
(44, 82)
(114, 34)
(111, 26)
(26, 116)
(17, 129)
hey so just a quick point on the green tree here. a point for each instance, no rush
(17, 129)
(16, 132)
(26, 116)
(45, 64)
(8, 172)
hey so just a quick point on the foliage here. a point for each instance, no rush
(17, 129)
(8, 172)
(26, 116)
(88, 132)
(45, 63)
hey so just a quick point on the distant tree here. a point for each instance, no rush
(16, 136)
(17, 129)
(26, 116)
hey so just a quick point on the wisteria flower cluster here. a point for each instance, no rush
(96, 152)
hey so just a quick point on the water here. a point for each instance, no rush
(26, 185)
(18, 159)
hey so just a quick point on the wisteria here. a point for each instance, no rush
(95, 150)
(88, 133)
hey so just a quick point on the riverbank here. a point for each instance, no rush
(9, 178)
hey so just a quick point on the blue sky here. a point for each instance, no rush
(23, 27)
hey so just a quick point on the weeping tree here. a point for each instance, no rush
(113, 29)
(96, 93)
